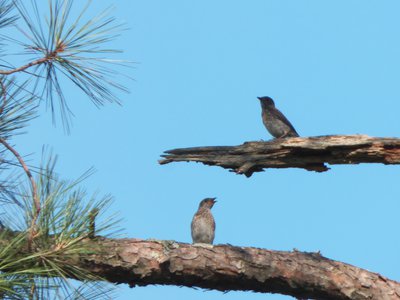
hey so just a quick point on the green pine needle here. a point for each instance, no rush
(64, 222)
(74, 49)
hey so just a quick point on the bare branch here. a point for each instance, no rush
(310, 153)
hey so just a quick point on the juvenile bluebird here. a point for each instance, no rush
(203, 224)
(275, 122)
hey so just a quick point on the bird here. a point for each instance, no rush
(203, 223)
(275, 122)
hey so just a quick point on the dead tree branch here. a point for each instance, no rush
(310, 153)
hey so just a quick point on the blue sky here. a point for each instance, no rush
(332, 68)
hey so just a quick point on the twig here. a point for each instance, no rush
(50, 56)
(32, 290)
(92, 225)
(36, 200)
(24, 67)
(3, 89)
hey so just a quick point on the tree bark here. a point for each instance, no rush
(226, 267)
(310, 153)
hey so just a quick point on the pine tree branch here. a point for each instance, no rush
(304, 275)
(310, 153)
(225, 268)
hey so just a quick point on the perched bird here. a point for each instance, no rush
(203, 224)
(275, 122)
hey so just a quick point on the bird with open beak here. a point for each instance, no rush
(203, 223)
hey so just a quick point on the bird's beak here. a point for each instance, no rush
(214, 201)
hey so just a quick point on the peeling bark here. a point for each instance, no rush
(310, 153)
(226, 267)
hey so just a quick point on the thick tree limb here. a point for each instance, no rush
(304, 275)
(225, 267)
(310, 153)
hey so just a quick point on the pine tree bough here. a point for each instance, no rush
(310, 153)
(226, 267)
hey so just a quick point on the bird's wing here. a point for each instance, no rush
(194, 220)
(284, 119)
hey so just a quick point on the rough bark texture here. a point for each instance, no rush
(225, 267)
(310, 153)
